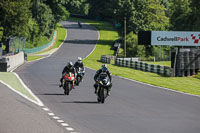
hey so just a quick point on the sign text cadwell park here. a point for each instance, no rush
(170, 38)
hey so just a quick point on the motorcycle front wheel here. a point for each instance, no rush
(101, 97)
(67, 88)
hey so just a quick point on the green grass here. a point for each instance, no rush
(107, 36)
(198, 75)
(12, 80)
(32, 58)
(163, 63)
(61, 33)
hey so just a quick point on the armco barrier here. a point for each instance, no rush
(105, 59)
(38, 49)
(163, 70)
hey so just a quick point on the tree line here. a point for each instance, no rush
(36, 18)
(147, 15)
(32, 19)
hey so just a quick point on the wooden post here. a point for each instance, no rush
(125, 37)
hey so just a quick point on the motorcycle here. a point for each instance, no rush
(80, 74)
(102, 89)
(68, 82)
(79, 24)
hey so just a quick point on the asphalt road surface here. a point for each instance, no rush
(17, 115)
(132, 107)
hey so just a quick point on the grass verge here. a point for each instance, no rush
(10, 79)
(32, 58)
(107, 36)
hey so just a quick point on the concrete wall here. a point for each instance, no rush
(15, 60)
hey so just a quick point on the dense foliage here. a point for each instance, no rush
(181, 15)
(36, 19)
(33, 19)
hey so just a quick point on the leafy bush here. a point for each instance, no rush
(147, 52)
(133, 49)
(198, 75)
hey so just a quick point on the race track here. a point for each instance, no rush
(132, 107)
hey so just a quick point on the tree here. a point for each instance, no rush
(155, 16)
(141, 15)
(14, 18)
(181, 17)
(194, 15)
(45, 19)
(59, 11)
(77, 6)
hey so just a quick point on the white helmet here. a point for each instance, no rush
(79, 59)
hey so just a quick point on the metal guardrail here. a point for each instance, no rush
(164, 70)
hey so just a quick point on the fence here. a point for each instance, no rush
(38, 49)
(164, 70)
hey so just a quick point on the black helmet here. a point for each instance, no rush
(104, 67)
(70, 64)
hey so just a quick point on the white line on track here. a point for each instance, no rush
(158, 87)
(56, 118)
(45, 109)
(64, 124)
(69, 128)
(60, 121)
(51, 114)
(38, 102)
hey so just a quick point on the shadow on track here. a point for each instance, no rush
(51, 94)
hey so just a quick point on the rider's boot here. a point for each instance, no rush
(73, 86)
(61, 82)
(95, 92)
(108, 92)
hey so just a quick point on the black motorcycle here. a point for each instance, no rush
(102, 89)
(80, 73)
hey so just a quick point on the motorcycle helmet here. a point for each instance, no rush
(79, 59)
(70, 64)
(104, 68)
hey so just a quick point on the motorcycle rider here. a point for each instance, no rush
(79, 64)
(103, 70)
(67, 69)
